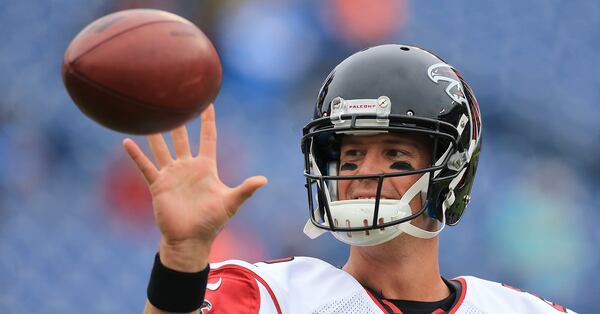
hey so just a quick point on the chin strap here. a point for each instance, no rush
(450, 198)
(313, 231)
(422, 184)
(422, 233)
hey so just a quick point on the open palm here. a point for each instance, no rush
(191, 204)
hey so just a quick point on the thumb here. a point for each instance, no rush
(244, 191)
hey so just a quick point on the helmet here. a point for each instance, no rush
(391, 89)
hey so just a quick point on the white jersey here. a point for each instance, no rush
(308, 285)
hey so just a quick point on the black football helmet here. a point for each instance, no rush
(391, 89)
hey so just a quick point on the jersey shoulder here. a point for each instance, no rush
(288, 285)
(280, 269)
(235, 286)
(311, 285)
(485, 296)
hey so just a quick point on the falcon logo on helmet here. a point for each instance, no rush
(446, 73)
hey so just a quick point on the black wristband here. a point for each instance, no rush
(173, 291)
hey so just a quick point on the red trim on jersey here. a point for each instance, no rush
(438, 311)
(279, 260)
(558, 307)
(394, 308)
(242, 294)
(463, 292)
(376, 301)
(511, 287)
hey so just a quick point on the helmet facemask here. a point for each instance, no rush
(373, 221)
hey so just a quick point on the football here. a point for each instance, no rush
(141, 71)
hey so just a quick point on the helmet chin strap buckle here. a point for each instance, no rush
(450, 198)
(458, 160)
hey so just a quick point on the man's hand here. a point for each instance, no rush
(191, 204)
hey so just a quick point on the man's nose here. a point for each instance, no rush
(370, 165)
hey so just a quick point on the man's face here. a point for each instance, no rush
(382, 153)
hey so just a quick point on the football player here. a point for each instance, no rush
(390, 157)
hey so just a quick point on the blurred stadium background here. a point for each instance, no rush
(76, 231)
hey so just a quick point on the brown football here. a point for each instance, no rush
(141, 71)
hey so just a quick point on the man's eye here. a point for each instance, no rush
(394, 153)
(352, 152)
(352, 155)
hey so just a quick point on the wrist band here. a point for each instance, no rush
(173, 291)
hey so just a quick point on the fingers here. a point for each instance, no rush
(208, 133)
(181, 142)
(142, 162)
(245, 190)
(159, 149)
